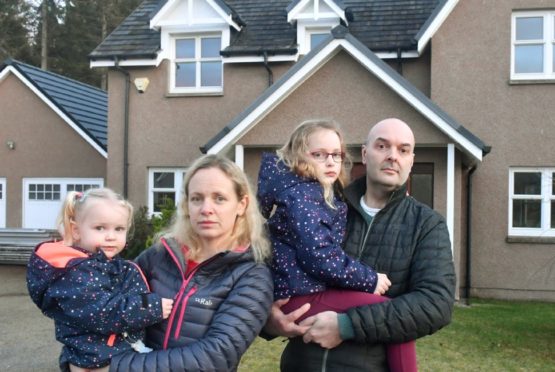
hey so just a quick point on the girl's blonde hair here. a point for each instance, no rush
(295, 155)
(76, 203)
(249, 227)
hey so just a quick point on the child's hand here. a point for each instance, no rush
(383, 284)
(167, 305)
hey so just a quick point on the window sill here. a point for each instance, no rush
(531, 81)
(195, 94)
(531, 239)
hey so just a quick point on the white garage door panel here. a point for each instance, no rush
(43, 198)
(2, 203)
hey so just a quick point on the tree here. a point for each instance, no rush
(15, 28)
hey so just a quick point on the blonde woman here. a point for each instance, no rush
(211, 261)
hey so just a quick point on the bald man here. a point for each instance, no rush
(396, 235)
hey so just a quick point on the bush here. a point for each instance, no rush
(145, 228)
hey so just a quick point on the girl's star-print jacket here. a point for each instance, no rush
(306, 235)
(93, 301)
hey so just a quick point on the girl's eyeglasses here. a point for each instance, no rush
(322, 156)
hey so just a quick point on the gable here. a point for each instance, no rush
(44, 144)
(296, 76)
(83, 107)
(342, 90)
(314, 10)
(183, 13)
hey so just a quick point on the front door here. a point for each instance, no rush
(43, 198)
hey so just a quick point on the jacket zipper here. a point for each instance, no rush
(325, 360)
(180, 299)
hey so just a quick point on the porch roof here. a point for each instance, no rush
(341, 39)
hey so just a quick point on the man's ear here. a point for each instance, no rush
(363, 154)
(75, 233)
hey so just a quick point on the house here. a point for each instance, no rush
(235, 77)
(53, 139)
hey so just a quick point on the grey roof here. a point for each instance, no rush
(382, 25)
(85, 105)
(340, 32)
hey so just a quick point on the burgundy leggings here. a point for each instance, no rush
(401, 357)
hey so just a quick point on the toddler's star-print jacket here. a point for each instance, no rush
(93, 301)
(306, 235)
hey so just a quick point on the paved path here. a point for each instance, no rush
(27, 340)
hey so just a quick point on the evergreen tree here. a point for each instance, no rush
(15, 28)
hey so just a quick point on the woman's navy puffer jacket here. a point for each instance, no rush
(219, 310)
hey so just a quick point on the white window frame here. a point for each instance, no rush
(546, 198)
(306, 28)
(197, 89)
(3, 204)
(548, 42)
(179, 174)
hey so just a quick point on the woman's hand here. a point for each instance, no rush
(383, 284)
(167, 305)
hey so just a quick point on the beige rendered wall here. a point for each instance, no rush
(470, 80)
(167, 131)
(46, 146)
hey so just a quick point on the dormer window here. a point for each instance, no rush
(192, 34)
(314, 19)
(197, 66)
(316, 36)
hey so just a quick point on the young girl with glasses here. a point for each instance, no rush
(299, 191)
(100, 303)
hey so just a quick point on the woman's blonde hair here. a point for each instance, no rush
(249, 227)
(76, 203)
(295, 155)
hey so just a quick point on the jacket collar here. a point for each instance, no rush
(357, 189)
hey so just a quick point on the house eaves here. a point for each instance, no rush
(340, 40)
(386, 27)
(83, 107)
(430, 27)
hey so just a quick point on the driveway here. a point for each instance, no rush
(27, 340)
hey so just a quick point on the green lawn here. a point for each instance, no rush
(487, 336)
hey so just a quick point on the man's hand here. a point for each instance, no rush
(280, 324)
(324, 329)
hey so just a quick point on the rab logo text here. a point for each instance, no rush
(204, 301)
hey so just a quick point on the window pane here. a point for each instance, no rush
(163, 180)
(553, 214)
(316, 39)
(185, 48)
(528, 183)
(552, 183)
(161, 198)
(210, 47)
(528, 58)
(527, 213)
(529, 28)
(185, 74)
(211, 74)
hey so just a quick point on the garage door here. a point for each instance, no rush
(43, 198)
(2, 203)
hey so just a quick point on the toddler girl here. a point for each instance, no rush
(302, 186)
(100, 303)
